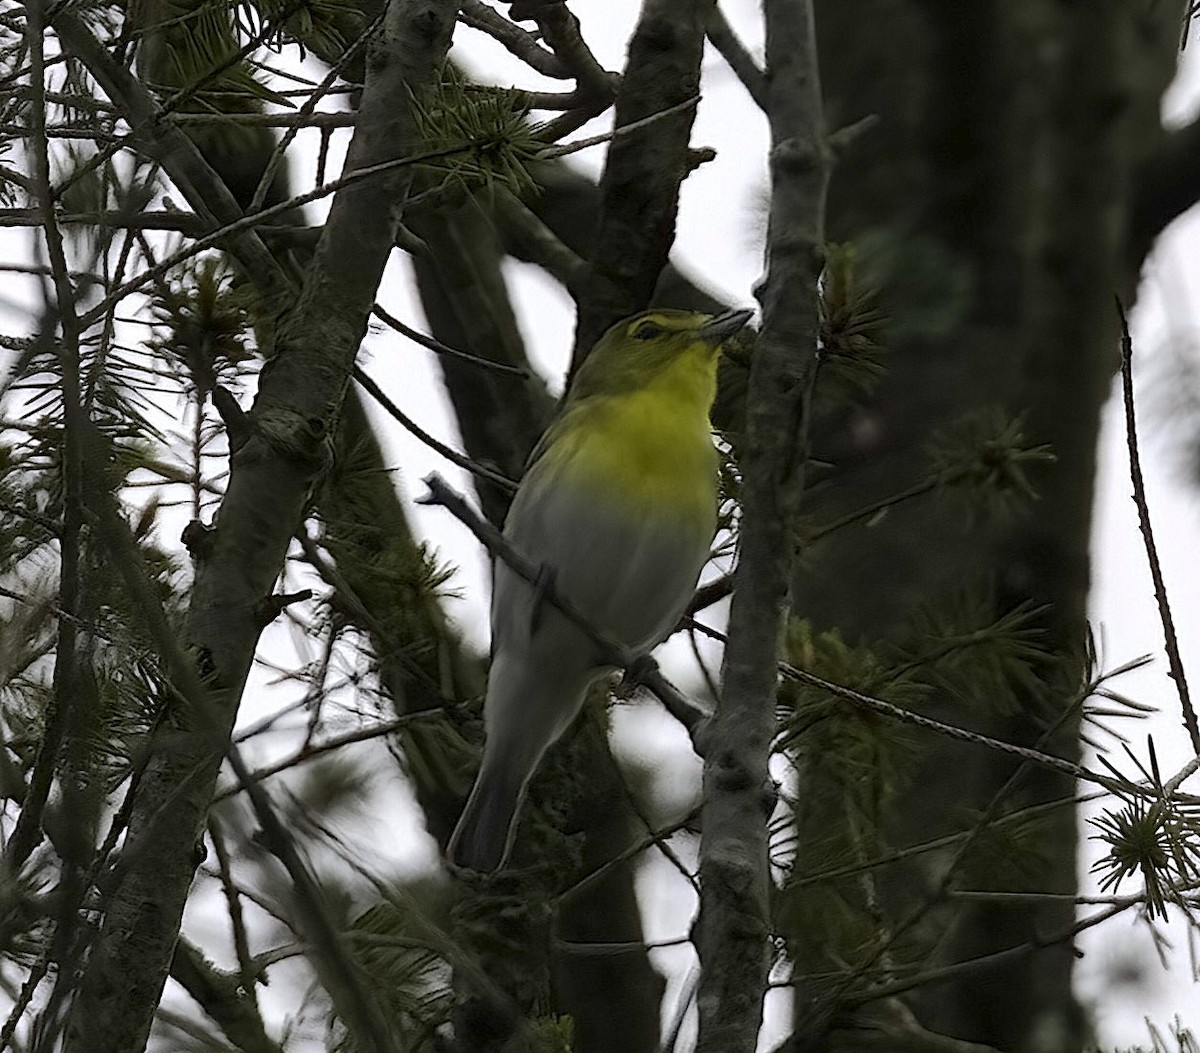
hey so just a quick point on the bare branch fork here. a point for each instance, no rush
(1174, 658)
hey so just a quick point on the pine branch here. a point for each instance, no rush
(313, 750)
(27, 832)
(279, 151)
(199, 184)
(269, 487)
(436, 346)
(150, 852)
(411, 426)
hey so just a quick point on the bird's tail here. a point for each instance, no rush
(484, 833)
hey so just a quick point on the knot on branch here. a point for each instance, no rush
(198, 539)
(238, 425)
(270, 608)
(298, 437)
(699, 156)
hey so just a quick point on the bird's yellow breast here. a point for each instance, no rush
(652, 448)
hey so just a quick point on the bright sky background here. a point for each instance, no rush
(719, 243)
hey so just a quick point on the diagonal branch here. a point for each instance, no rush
(197, 182)
(217, 994)
(612, 651)
(518, 41)
(734, 52)
(271, 479)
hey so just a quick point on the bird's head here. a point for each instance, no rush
(632, 353)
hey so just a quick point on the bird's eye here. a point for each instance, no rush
(647, 331)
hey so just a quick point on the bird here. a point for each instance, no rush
(618, 508)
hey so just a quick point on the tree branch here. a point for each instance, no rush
(270, 482)
(518, 41)
(611, 650)
(734, 871)
(639, 191)
(734, 52)
(216, 992)
(200, 185)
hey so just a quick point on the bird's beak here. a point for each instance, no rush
(721, 327)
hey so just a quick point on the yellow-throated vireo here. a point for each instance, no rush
(619, 506)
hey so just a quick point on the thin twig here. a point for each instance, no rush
(256, 219)
(453, 456)
(935, 896)
(932, 845)
(306, 110)
(436, 346)
(1174, 658)
(625, 129)
(946, 972)
(318, 749)
(237, 919)
(342, 976)
(27, 832)
(906, 716)
(178, 98)
(718, 589)
(655, 837)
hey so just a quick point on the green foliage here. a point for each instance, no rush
(985, 455)
(1159, 839)
(325, 26)
(392, 944)
(206, 320)
(852, 327)
(963, 650)
(851, 753)
(1006, 851)
(481, 134)
(193, 48)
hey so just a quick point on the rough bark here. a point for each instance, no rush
(278, 452)
(639, 190)
(734, 872)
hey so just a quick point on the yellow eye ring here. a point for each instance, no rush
(647, 330)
